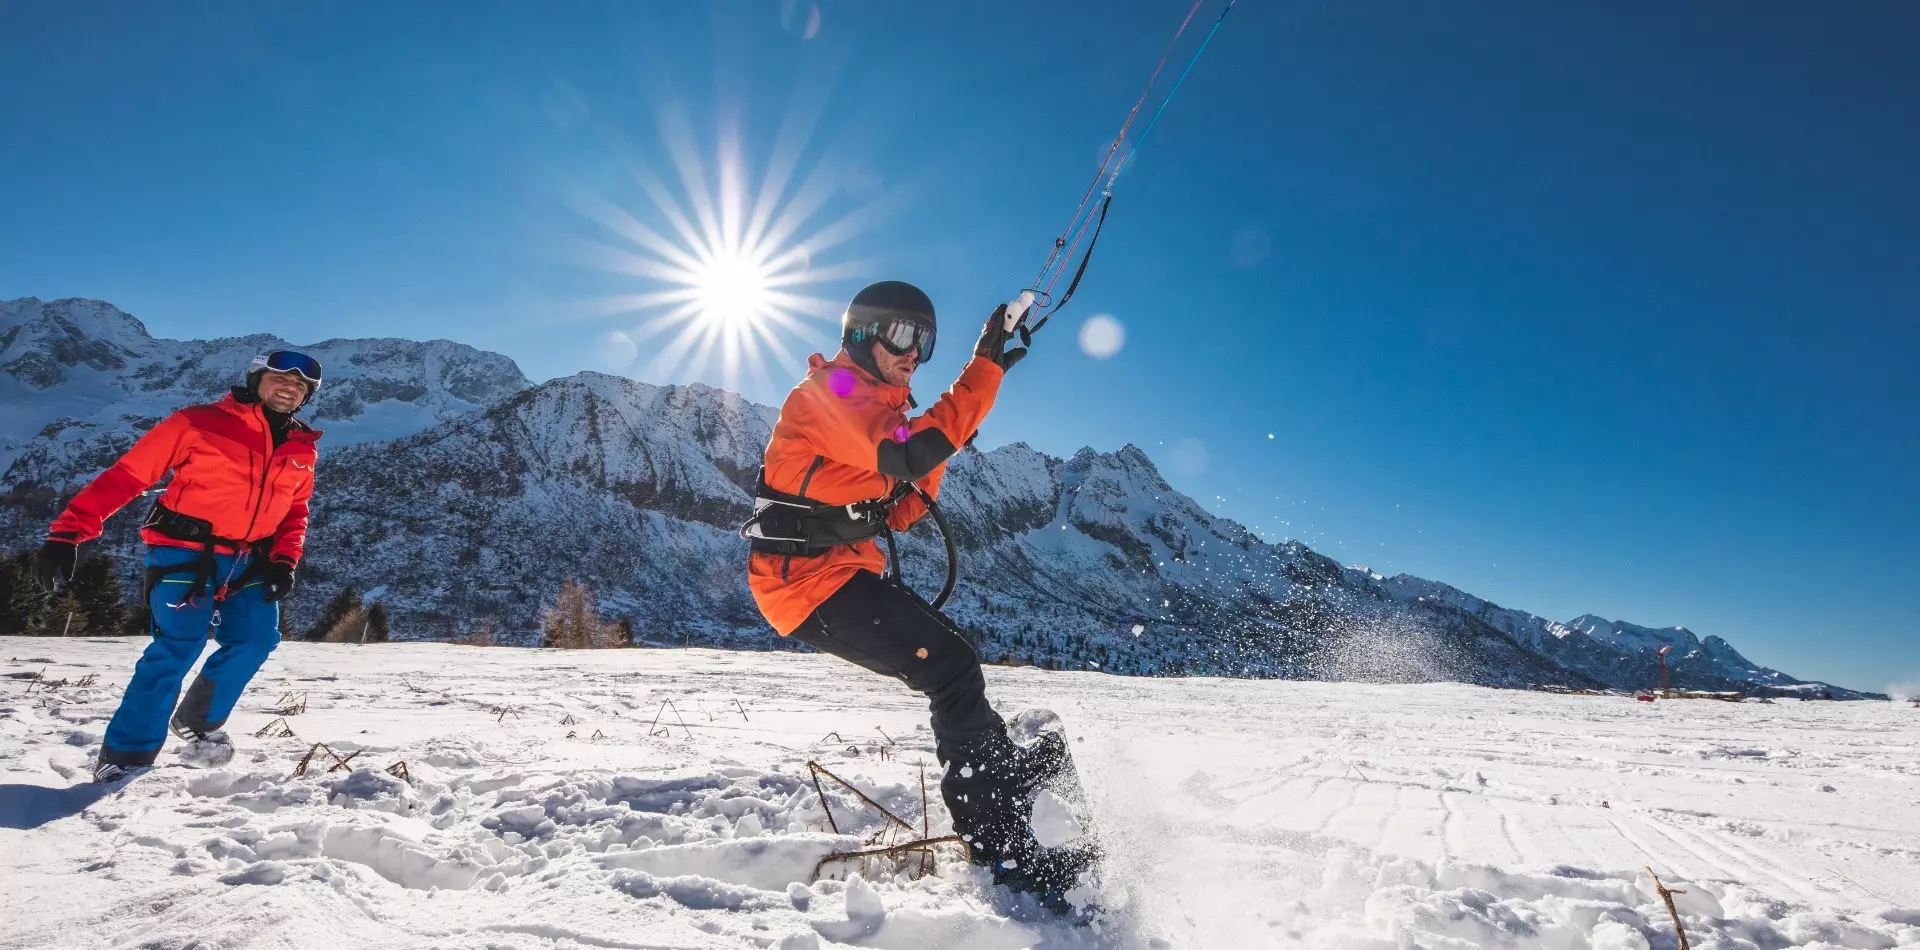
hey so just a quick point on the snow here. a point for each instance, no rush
(1234, 813)
(1053, 823)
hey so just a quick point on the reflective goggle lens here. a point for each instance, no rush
(287, 361)
(901, 338)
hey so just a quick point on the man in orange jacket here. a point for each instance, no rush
(222, 546)
(836, 475)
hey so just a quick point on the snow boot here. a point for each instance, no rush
(992, 786)
(207, 749)
(107, 773)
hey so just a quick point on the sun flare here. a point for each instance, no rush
(723, 268)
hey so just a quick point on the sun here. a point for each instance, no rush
(731, 289)
(723, 269)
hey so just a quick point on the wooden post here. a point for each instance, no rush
(1664, 688)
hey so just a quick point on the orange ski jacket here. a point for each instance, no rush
(844, 437)
(225, 471)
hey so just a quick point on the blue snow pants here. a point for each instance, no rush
(243, 623)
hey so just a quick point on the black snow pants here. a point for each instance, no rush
(879, 624)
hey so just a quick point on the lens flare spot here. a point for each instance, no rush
(617, 350)
(841, 381)
(1102, 336)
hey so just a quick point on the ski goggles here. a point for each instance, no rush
(900, 337)
(288, 361)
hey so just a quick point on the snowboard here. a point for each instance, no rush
(1064, 862)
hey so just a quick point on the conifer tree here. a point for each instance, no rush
(96, 585)
(65, 616)
(348, 629)
(21, 600)
(343, 603)
(573, 621)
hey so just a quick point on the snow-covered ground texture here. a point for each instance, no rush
(541, 810)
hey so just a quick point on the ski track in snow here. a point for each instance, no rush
(1235, 813)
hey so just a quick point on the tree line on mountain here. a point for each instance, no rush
(93, 603)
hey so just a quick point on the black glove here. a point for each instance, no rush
(55, 562)
(278, 582)
(993, 341)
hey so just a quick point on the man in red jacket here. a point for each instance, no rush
(222, 545)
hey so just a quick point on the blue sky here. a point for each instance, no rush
(1604, 310)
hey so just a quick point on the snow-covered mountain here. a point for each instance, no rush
(78, 378)
(463, 496)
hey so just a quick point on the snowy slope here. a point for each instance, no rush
(466, 497)
(544, 809)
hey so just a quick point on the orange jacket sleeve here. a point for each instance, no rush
(913, 449)
(136, 471)
(290, 539)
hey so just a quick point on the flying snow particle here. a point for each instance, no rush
(1139, 629)
(1102, 336)
(1053, 823)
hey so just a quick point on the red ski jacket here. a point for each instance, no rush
(844, 437)
(225, 471)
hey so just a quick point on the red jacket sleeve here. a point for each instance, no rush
(290, 539)
(143, 465)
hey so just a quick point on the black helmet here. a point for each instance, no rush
(894, 312)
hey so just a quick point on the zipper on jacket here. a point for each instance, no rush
(266, 468)
(818, 460)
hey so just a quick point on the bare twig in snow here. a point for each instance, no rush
(1667, 896)
(820, 770)
(277, 729)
